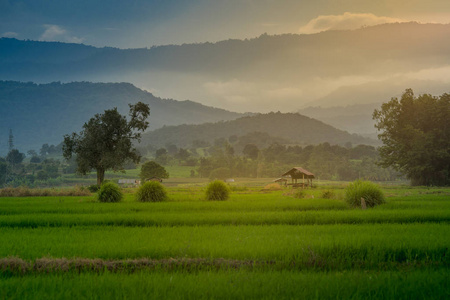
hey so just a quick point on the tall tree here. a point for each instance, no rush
(415, 132)
(105, 143)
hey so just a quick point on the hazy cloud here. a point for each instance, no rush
(58, 33)
(10, 34)
(346, 21)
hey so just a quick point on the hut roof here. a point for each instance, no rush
(280, 180)
(298, 172)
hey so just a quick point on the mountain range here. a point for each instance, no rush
(268, 73)
(337, 77)
(44, 113)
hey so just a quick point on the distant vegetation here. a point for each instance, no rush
(285, 128)
(220, 161)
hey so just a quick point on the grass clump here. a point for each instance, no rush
(299, 194)
(217, 190)
(272, 187)
(369, 191)
(109, 192)
(151, 191)
(37, 192)
(328, 194)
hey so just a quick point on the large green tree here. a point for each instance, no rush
(152, 169)
(415, 132)
(105, 143)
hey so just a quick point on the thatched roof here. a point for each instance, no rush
(280, 180)
(297, 173)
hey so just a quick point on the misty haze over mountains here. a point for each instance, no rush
(337, 77)
(269, 73)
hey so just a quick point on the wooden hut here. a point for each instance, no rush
(297, 173)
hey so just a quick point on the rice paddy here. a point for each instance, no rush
(259, 244)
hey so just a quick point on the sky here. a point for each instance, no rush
(146, 23)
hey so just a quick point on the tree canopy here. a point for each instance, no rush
(152, 169)
(15, 157)
(415, 132)
(106, 141)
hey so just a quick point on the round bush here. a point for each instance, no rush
(372, 194)
(217, 190)
(109, 192)
(151, 191)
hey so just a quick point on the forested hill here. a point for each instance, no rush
(43, 113)
(266, 73)
(293, 127)
(263, 57)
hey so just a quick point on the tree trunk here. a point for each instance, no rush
(100, 176)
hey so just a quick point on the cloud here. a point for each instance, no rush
(58, 33)
(252, 96)
(10, 34)
(347, 21)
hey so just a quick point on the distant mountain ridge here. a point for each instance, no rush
(293, 53)
(296, 128)
(43, 113)
(279, 72)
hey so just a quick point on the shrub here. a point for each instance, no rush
(217, 190)
(372, 194)
(328, 194)
(109, 192)
(299, 194)
(151, 191)
(93, 188)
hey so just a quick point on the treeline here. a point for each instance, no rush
(40, 169)
(290, 127)
(328, 162)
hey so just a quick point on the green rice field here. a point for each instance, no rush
(260, 244)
